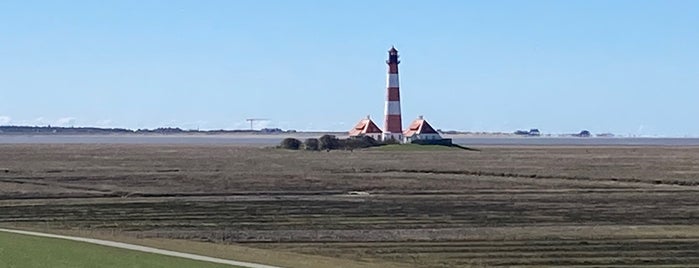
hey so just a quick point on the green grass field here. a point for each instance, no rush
(413, 147)
(29, 251)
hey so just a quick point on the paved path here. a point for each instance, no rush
(143, 249)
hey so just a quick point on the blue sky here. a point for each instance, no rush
(627, 67)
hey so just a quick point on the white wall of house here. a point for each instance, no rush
(396, 136)
(376, 136)
(433, 136)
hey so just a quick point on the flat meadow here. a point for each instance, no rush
(499, 206)
(29, 251)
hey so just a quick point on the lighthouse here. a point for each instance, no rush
(419, 130)
(393, 127)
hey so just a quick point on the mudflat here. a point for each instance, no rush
(500, 206)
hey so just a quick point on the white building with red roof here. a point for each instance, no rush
(420, 130)
(366, 127)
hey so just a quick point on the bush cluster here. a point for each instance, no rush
(290, 143)
(312, 144)
(360, 142)
(329, 142)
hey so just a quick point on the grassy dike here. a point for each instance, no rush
(27, 251)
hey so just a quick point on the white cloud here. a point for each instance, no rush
(262, 124)
(640, 129)
(257, 124)
(199, 124)
(5, 120)
(40, 121)
(103, 123)
(65, 121)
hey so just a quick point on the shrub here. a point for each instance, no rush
(391, 141)
(329, 142)
(369, 141)
(359, 142)
(312, 144)
(290, 143)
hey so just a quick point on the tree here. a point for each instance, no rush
(290, 143)
(312, 144)
(329, 142)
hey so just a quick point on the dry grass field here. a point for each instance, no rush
(501, 206)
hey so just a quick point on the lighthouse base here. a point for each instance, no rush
(392, 137)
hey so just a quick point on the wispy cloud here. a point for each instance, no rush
(5, 120)
(40, 121)
(103, 123)
(257, 124)
(65, 121)
(199, 124)
(262, 124)
(640, 129)
(241, 125)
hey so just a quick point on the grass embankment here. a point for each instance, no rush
(28, 251)
(414, 147)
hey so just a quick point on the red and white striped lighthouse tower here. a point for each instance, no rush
(393, 127)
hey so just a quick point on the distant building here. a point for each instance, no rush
(366, 127)
(531, 132)
(420, 130)
(584, 134)
(522, 132)
(271, 130)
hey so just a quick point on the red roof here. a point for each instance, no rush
(419, 126)
(365, 126)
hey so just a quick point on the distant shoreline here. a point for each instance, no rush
(257, 139)
(174, 132)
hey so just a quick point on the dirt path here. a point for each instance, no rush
(142, 249)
